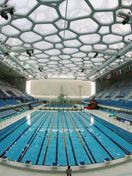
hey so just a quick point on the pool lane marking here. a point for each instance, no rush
(42, 144)
(89, 150)
(110, 128)
(64, 139)
(32, 138)
(3, 153)
(80, 139)
(75, 160)
(49, 137)
(17, 127)
(92, 134)
(113, 140)
(56, 153)
(121, 147)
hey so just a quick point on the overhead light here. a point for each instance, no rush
(11, 10)
(96, 54)
(125, 21)
(30, 52)
(29, 76)
(4, 15)
(40, 68)
(75, 78)
(126, 16)
(118, 57)
(82, 70)
(4, 10)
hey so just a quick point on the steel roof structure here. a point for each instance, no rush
(78, 39)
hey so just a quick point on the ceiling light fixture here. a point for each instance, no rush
(5, 10)
(96, 54)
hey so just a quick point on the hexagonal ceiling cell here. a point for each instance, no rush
(30, 37)
(43, 14)
(14, 42)
(88, 62)
(10, 31)
(76, 59)
(121, 29)
(43, 45)
(104, 18)
(42, 55)
(66, 33)
(64, 56)
(72, 43)
(65, 61)
(58, 46)
(23, 8)
(54, 58)
(86, 48)
(98, 59)
(31, 61)
(3, 38)
(90, 39)
(76, 9)
(61, 24)
(22, 24)
(45, 29)
(43, 60)
(126, 3)
(70, 50)
(79, 54)
(111, 38)
(104, 30)
(53, 38)
(116, 46)
(100, 47)
(53, 52)
(104, 4)
(84, 26)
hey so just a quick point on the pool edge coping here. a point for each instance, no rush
(61, 169)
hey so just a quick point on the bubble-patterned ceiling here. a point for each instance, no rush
(64, 34)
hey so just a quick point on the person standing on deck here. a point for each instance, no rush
(69, 171)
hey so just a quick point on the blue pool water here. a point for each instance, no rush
(64, 138)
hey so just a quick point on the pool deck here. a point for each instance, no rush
(123, 169)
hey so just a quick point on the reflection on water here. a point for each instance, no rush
(91, 120)
(28, 118)
(61, 130)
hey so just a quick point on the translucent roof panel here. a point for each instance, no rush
(76, 9)
(66, 35)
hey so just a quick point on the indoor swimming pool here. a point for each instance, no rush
(63, 138)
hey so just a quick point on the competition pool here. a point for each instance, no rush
(64, 138)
